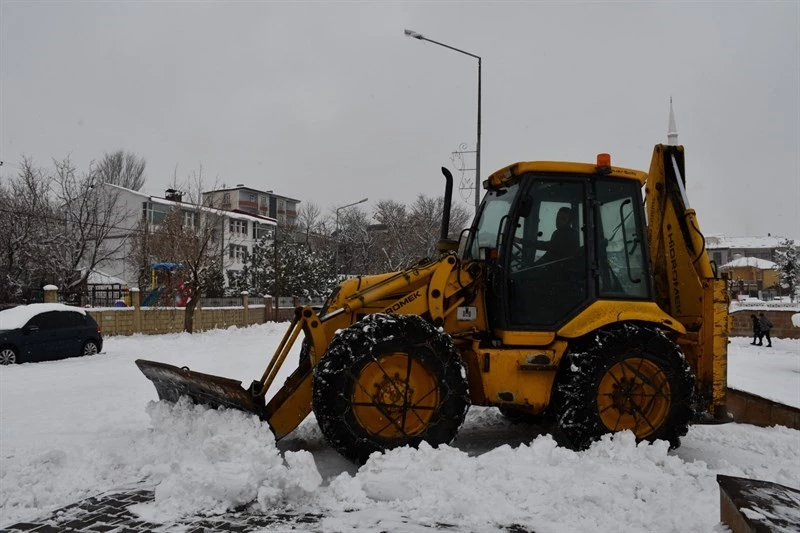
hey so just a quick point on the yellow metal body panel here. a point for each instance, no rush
(676, 275)
(707, 350)
(526, 338)
(522, 376)
(605, 312)
(507, 174)
(684, 279)
(291, 405)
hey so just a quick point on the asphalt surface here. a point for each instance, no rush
(109, 513)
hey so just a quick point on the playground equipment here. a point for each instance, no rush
(166, 286)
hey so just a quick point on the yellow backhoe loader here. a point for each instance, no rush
(569, 299)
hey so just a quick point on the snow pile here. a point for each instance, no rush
(200, 460)
(538, 485)
(79, 427)
(212, 461)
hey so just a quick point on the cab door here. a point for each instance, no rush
(546, 261)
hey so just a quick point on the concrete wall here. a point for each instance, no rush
(781, 321)
(154, 320)
(158, 320)
(748, 408)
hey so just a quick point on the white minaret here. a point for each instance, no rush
(672, 133)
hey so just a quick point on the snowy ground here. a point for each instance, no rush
(75, 428)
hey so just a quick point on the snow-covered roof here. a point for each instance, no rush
(761, 264)
(101, 278)
(220, 212)
(715, 242)
(121, 188)
(16, 317)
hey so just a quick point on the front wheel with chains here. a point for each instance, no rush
(389, 381)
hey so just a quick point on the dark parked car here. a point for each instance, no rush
(43, 332)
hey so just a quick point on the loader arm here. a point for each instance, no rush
(685, 282)
(291, 404)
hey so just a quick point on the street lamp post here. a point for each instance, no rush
(419, 36)
(336, 228)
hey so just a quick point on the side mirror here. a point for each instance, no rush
(27, 330)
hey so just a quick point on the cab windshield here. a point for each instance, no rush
(488, 230)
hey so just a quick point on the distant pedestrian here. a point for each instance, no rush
(756, 330)
(766, 325)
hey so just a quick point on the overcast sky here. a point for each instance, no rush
(328, 102)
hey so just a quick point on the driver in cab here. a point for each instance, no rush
(564, 242)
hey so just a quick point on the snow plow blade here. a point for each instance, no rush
(172, 382)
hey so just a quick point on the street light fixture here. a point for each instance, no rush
(345, 207)
(338, 237)
(420, 37)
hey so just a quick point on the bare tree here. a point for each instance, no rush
(396, 251)
(425, 220)
(91, 233)
(355, 243)
(188, 236)
(407, 234)
(27, 236)
(122, 168)
(308, 220)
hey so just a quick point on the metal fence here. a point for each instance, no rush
(227, 301)
(107, 297)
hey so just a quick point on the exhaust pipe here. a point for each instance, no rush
(448, 194)
(445, 244)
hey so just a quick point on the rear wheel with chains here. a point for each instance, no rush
(626, 377)
(389, 381)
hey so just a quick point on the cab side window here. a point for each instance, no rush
(622, 267)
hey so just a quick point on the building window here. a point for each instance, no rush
(155, 213)
(226, 198)
(188, 219)
(263, 200)
(237, 226)
(237, 253)
(252, 198)
(262, 230)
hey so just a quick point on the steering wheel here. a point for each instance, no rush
(519, 246)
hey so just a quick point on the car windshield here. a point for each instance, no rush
(494, 213)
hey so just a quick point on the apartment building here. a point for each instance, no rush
(238, 233)
(255, 202)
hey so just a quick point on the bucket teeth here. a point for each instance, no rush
(172, 382)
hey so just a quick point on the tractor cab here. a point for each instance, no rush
(557, 237)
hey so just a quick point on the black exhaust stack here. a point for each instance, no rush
(446, 244)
